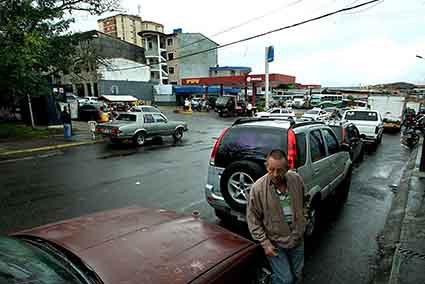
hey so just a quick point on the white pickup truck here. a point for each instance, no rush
(369, 123)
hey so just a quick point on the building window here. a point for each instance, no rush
(173, 83)
(170, 56)
(170, 42)
(152, 74)
(171, 70)
(149, 45)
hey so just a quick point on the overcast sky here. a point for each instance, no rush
(370, 45)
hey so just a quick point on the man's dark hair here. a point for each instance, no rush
(277, 154)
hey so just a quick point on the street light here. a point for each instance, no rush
(422, 162)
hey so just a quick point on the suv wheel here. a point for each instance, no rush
(236, 182)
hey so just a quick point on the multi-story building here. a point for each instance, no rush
(154, 41)
(124, 27)
(224, 71)
(180, 65)
(106, 65)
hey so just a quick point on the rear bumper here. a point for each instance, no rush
(217, 202)
(391, 125)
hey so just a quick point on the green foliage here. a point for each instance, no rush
(12, 131)
(35, 44)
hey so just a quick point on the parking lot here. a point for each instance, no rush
(164, 174)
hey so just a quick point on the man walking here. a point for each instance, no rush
(66, 121)
(276, 219)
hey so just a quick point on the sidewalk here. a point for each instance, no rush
(81, 136)
(409, 258)
(402, 242)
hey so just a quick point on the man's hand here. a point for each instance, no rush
(270, 250)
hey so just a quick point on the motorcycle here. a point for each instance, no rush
(410, 137)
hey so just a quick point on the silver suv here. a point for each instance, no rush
(238, 160)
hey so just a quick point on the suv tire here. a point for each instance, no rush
(236, 182)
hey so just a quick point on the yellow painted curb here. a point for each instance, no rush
(52, 147)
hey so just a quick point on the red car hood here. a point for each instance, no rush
(137, 245)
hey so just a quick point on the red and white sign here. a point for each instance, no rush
(254, 79)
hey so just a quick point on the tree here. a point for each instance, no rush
(35, 42)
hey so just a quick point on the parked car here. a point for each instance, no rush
(229, 105)
(89, 112)
(238, 160)
(73, 98)
(138, 126)
(347, 133)
(316, 114)
(369, 123)
(289, 103)
(133, 246)
(273, 112)
(145, 109)
(298, 103)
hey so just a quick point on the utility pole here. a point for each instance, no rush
(269, 57)
(30, 109)
(422, 161)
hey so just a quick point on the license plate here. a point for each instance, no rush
(106, 130)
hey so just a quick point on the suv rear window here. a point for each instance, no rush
(361, 115)
(241, 142)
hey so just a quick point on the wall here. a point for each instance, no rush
(193, 66)
(140, 90)
(141, 74)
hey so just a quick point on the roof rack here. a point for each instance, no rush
(306, 123)
(293, 122)
(254, 119)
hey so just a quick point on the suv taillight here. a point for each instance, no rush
(376, 130)
(292, 149)
(216, 146)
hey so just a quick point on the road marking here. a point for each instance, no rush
(46, 155)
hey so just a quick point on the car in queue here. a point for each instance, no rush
(313, 151)
(369, 123)
(131, 245)
(316, 114)
(140, 126)
(276, 112)
(348, 134)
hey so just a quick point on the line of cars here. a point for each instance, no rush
(323, 153)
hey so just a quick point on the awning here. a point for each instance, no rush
(114, 98)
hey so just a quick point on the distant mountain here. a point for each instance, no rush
(396, 86)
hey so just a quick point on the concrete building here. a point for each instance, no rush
(223, 71)
(179, 45)
(154, 40)
(124, 27)
(107, 65)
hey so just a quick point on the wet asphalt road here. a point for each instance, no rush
(64, 184)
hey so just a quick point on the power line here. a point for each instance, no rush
(258, 35)
(242, 24)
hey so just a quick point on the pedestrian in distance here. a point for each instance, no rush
(249, 109)
(67, 123)
(275, 217)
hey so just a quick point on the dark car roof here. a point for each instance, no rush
(139, 245)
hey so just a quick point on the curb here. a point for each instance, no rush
(391, 233)
(48, 148)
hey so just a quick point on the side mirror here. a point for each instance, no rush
(345, 148)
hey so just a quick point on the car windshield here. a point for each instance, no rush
(21, 262)
(312, 112)
(361, 115)
(127, 117)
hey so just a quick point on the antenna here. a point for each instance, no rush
(139, 10)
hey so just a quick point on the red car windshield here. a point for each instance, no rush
(21, 262)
